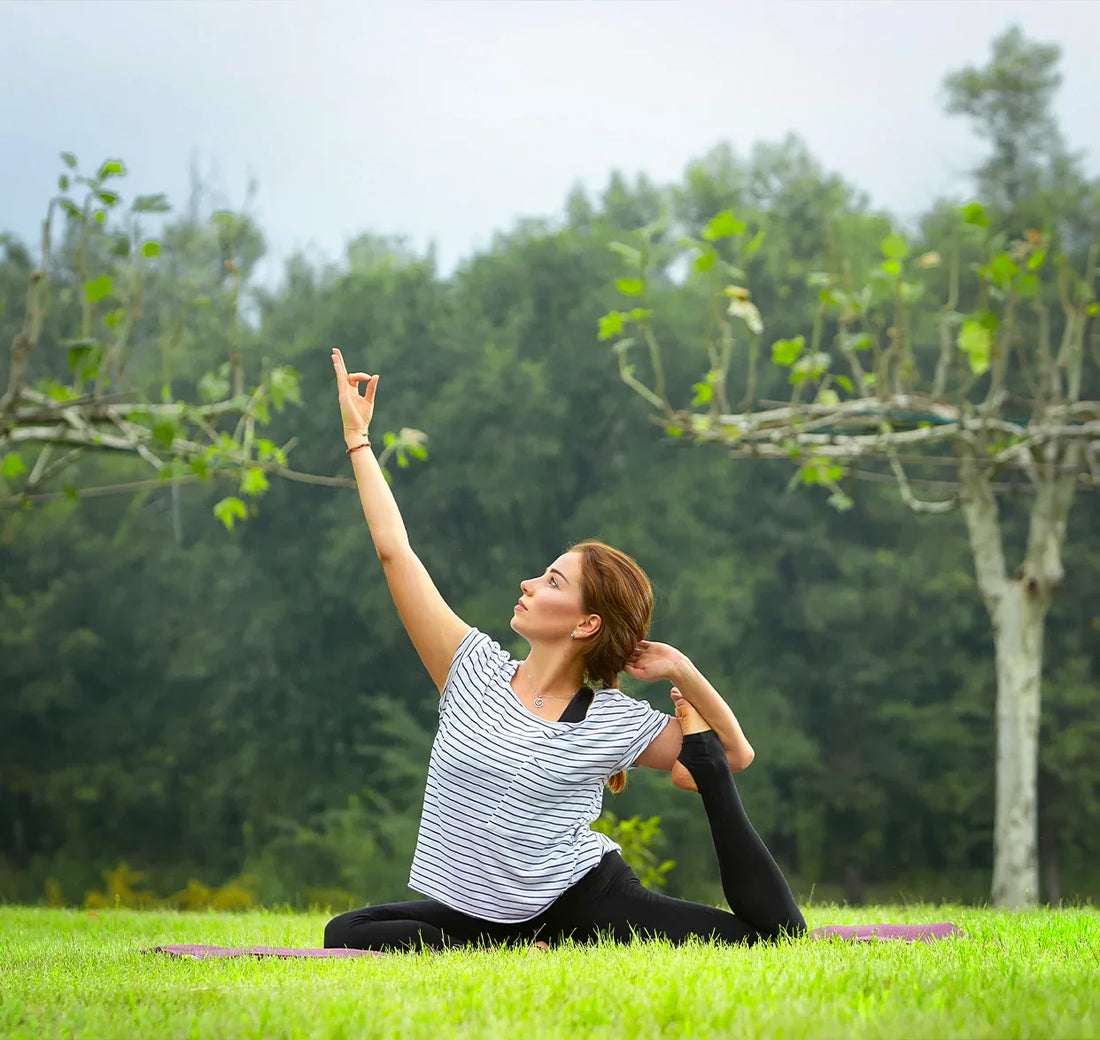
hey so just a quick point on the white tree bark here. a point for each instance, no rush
(1018, 635)
(1017, 609)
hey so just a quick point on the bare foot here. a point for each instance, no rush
(540, 945)
(690, 722)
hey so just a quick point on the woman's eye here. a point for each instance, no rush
(553, 582)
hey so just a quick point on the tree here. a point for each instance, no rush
(206, 423)
(994, 397)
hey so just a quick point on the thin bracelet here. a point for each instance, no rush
(365, 444)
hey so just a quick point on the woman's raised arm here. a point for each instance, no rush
(435, 629)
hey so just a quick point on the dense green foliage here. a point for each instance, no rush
(72, 975)
(205, 704)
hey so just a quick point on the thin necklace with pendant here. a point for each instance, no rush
(538, 701)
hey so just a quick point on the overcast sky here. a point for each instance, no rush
(445, 120)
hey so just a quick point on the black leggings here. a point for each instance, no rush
(610, 901)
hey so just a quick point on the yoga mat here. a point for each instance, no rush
(851, 933)
(886, 932)
(206, 952)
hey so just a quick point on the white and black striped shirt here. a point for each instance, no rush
(511, 797)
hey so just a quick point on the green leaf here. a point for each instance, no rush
(1003, 269)
(151, 204)
(1035, 261)
(891, 267)
(230, 510)
(112, 319)
(108, 198)
(722, 226)
(610, 325)
(111, 168)
(12, 467)
(860, 341)
(976, 341)
(812, 366)
(213, 386)
(631, 255)
(895, 247)
(63, 183)
(630, 286)
(786, 351)
(1027, 285)
(202, 301)
(846, 383)
(834, 473)
(640, 314)
(100, 216)
(98, 288)
(164, 433)
(703, 393)
(69, 160)
(674, 431)
(840, 501)
(151, 249)
(254, 482)
(85, 359)
(68, 206)
(828, 396)
(705, 261)
(201, 468)
(283, 385)
(974, 213)
(55, 390)
(754, 244)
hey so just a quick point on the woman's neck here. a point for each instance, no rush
(554, 671)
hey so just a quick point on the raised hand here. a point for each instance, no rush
(355, 410)
(653, 661)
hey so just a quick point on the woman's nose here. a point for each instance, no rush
(523, 587)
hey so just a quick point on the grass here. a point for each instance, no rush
(74, 974)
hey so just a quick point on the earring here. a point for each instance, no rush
(572, 635)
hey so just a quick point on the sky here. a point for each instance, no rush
(447, 120)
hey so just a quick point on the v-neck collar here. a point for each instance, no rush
(575, 711)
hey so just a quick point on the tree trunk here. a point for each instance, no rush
(1018, 635)
(1018, 609)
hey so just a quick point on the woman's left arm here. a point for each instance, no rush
(655, 661)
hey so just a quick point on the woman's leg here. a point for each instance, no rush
(754, 886)
(616, 906)
(614, 902)
(414, 925)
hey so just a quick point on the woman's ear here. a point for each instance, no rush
(588, 626)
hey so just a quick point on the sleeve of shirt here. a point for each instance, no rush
(642, 725)
(475, 662)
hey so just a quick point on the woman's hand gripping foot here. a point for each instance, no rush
(690, 722)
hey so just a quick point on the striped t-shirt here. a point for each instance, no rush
(511, 797)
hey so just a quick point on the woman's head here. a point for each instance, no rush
(616, 589)
(600, 600)
(594, 595)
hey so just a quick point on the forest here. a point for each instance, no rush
(205, 688)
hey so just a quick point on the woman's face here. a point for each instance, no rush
(551, 606)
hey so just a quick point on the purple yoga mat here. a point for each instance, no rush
(852, 933)
(205, 952)
(883, 932)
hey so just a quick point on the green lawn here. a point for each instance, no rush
(68, 973)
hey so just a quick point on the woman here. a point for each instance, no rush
(506, 852)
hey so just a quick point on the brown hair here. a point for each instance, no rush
(616, 588)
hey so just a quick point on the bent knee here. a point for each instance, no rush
(336, 931)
